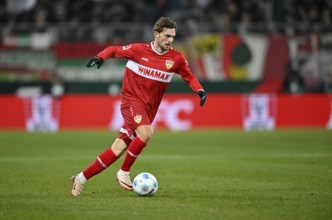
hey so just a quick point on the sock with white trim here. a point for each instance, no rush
(134, 149)
(103, 161)
(81, 177)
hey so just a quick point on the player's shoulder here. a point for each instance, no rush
(176, 54)
(142, 45)
(174, 51)
(134, 46)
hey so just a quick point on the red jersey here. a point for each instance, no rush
(148, 73)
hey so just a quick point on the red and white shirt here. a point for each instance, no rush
(148, 73)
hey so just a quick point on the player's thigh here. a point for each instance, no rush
(134, 116)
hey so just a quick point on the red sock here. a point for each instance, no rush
(134, 149)
(104, 160)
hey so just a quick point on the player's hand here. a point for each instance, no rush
(95, 61)
(202, 95)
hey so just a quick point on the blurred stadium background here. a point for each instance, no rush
(265, 64)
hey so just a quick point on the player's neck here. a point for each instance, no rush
(157, 48)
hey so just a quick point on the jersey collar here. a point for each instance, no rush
(156, 50)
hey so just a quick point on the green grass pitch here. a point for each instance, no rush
(202, 174)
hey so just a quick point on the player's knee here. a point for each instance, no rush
(145, 133)
(145, 137)
(148, 136)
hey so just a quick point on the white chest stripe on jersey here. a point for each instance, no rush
(149, 73)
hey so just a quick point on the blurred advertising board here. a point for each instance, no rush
(177, 112)
(26, 64)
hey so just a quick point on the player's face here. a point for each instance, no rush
(164, 39)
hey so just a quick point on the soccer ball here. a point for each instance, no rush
(145, 184)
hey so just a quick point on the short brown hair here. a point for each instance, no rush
(164, 22)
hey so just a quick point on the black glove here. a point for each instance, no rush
(202, 95)
(95, 60)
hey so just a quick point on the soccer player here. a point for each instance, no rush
(148, 72)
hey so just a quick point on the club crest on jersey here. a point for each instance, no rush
(126, 47)
(169, 64)
(138, 119)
